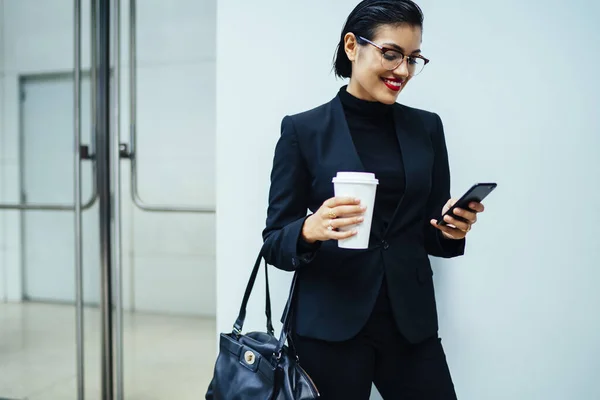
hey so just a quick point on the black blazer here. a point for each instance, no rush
(337, 288)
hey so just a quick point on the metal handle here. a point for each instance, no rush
(47, 207)
(116, 191)
(77, 201)
(82, 152)
(135, 196)
(103, 159)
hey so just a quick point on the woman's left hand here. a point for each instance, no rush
(458, 229)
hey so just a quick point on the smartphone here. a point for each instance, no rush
(476, 193)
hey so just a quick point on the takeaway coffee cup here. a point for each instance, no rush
(361, 185)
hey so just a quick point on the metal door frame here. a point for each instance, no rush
(23, 204)
(105, 102)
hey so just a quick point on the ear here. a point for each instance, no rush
(350, 46)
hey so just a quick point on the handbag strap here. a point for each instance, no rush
(287, 316)
(239, 323)
(270, 329)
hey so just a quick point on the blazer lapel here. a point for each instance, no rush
(342, 139)
(413, 145)
(409, 147)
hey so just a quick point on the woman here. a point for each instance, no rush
(367, 316)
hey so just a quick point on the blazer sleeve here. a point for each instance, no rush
(435, 243)
(283, 246)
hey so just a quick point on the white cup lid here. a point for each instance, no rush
(355, 177)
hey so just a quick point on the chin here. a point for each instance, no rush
(388, 98)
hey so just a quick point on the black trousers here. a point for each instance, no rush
(378, 354)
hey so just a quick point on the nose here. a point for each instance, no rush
(402, 69)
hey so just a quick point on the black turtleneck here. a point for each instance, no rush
(373, 132)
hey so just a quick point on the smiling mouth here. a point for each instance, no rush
(393, 84)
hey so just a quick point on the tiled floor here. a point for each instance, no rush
(165, 357)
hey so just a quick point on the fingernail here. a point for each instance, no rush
(360, 219)
(363, 208)
(357, 200)
(354, 232)
(457, 211)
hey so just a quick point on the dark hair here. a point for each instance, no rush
(369, 15)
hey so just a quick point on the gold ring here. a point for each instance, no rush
(332, 215)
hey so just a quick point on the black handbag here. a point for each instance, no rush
(257, 365)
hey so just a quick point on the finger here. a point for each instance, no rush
(339, 235)
(468, 215)
(340, 201)
(334, 224)
(343, 222)
(328, 213)
(329, 225)
(478, 207)
(343, 211)
(453, 232)
(463, 226)
(440, 227)
(443, 228)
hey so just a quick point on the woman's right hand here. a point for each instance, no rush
(335, 213)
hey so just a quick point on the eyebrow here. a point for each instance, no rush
(395, 46)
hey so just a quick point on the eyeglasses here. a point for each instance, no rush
(392, 59)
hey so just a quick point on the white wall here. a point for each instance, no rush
(516, 85)
(169, 259)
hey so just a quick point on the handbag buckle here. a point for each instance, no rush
(249, 357)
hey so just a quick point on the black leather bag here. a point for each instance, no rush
(257, 365)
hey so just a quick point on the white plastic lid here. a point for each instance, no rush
(355, 177)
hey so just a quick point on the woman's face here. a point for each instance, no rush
(370, 80)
